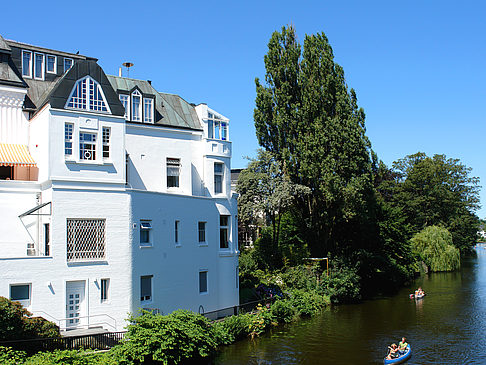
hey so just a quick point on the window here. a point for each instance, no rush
(176, 232)
(146, 288)
(39, 66)
(46, 239)
(136, 106)
(88, 95)
(217, 127)
(218, 178)
(106, 142)
(148, 110)
(51, 64)
(145, 228)
(124, 101)
(85, 239)
(87, 146)
(105, 285)
(27, 63)
(202, 231)
(68, 63)
(223, 231)
(203, 282)
(173, 172)
(237, 276)
(20, 293)
(68, 139)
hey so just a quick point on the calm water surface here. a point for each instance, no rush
(448, 326)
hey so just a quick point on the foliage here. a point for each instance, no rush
(437, 191)
(434, 246)
(260, 321)
(16, 322)
(307, 303)
(8, 356)
(167, 339)
(343, 283)
(282, 311)
(236, 327)
(74, 357)
(310, 122)
(300, 277)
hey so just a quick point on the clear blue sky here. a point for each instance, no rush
(418, 67)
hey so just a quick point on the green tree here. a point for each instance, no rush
(437, 191)
(265, 194)
(434, 246)
(309, 120)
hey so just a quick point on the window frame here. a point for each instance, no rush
(176, 232)
(42, 67)
(104, 290)
(30, 75)
(105, 142)
(171, 164)
(70, 140)
(201, 229)
(47, 64)
(143, 298)
(85, 143)
(126, 103)
(151, 110)
(224, 232)
(138, 94)
(221, 175)
(64, 63)
(146, 228)
(25, 302)
(83, 97)
(206, 280)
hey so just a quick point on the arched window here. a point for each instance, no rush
(87, 95)
(136, 106)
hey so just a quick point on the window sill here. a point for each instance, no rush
(226, 253)
(87, 162)
(148, 245)
(178, 245)
(204, 293)
(203, 244)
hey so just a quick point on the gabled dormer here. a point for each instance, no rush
(88, 95)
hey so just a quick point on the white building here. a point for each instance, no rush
(113, 196)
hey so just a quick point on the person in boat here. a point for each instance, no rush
(402, 346)
(392, 352)
(420, 291)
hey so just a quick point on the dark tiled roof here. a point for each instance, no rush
(4, 47)
(170, 110)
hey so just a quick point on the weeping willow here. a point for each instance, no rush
(434, 246)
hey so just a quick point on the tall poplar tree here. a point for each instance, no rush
(310, 121)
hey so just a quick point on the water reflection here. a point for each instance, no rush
(446, 327)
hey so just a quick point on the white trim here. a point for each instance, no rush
(47, 64)
(29, 76)
(42, 66)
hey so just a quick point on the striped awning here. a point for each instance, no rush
(15, 155)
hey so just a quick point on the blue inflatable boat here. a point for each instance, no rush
(400, 359)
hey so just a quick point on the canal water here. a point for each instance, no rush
(448, 326)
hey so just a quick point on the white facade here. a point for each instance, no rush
(117, 215)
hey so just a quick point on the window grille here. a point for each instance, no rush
(87, 146)
(106, 142)
(68, 139)
(85, 239)
(87, 95)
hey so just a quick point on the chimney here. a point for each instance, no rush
(120, 72)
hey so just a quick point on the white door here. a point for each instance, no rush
(74, 303)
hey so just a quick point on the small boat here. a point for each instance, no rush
(400, 359)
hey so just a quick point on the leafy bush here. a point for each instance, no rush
(72, 357)
(260, 321)
(16, 322)
(282, 311)
(167, 339)
(434, 246)
(300, 277)
(307, 303)
(8, 356)
(237, 327)
(343, 284)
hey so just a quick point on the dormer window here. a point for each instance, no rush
(125, 103)
(217, 127)
(26, 63)
(68, 63)
(51, 64)
(87, 95)
(136, 106)
(148, 110)
(39, 66)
